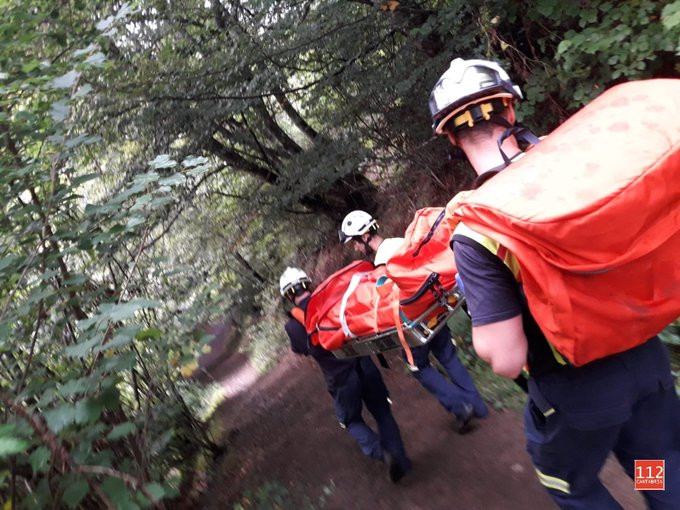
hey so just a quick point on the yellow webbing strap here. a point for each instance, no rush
(560, 359)
(493, 246)
(400, 328)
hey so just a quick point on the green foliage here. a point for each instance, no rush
(75, 492)
(269, 496)
(272, 495)
(89, 383)
(11, 446)
(611, 43)
(266, 338)
(671, 335)
(568, 53)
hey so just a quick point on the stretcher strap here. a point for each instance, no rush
(375, 315)
(353, 283)
(400, 330)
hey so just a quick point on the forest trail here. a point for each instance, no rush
(285, 446)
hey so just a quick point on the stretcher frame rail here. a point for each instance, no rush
(416, 332)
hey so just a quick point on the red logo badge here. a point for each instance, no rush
(650, 475)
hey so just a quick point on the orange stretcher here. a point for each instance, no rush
(356, 312)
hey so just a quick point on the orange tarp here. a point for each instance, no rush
(350, 304)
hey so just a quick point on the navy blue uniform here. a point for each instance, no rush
(353, 382)
(576, 416)
(459, 391)
(453, 394)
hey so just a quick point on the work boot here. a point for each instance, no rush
(394, 469)
(463, 421)
(481, 410)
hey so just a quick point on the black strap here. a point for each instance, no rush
(483, 177)
(431, 283)
(522, 381)
(522, 134)
(537, 397)
(430, 233)
(381, 359)
(367, 247)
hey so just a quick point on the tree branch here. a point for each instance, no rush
(239, 162)
(286, 141)
(32, 348)
(295, 116)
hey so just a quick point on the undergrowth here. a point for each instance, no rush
(272, 495)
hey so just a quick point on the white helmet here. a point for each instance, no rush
(293, 281)
(356, 224)
(465, 84)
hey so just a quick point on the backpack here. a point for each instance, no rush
(424, 267)
(350, 304)
(592, 214)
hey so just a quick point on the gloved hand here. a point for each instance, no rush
(459, 283)
(461, 288)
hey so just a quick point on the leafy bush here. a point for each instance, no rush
(94, 411)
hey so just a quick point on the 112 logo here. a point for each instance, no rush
(650, 475)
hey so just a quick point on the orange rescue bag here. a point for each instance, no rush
(349, 304)
(424, 266)
(593, 216)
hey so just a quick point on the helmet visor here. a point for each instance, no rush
(447, 93)
(295, 289)
(344, 238)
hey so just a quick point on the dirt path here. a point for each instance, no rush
(285, 441)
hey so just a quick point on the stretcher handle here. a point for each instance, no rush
(430, 233)
(431, 281)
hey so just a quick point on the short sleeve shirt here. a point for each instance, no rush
(491, 291)
(493, 294)
(387, 249)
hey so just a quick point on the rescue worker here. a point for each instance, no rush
(350, 381)
(458, 394)
(575, 416)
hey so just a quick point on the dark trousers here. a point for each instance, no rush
(624, 404)
(365, 386)
(452, 394)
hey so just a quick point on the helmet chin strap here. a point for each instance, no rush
(522, 134)
(368, 249)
